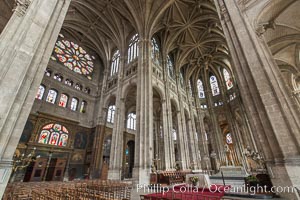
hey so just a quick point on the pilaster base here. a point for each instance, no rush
(285, 176)
(114, 174)
(5, 171)
(141, 176)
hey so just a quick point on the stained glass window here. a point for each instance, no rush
(73, 57)
(133, 50)
(174, 134)
(40, 92)
(170, 67)
(54, 134)
(214, 86)
(111, 113)
(74, 104)
(78, 86)
(63, 100)
(131, 121)
(228, 79)
(115, 63)
(83, 106)
(155, 51)
(228, 138)
(200, 88)
(58, 77)
(51, 96)
(87, 90)
(69, 82)
(181, 79)
(48, 72)
(190, 88)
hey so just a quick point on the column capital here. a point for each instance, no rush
(21, 7)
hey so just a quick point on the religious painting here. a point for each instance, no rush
(80, 141)
(77, 157)
(91, 139)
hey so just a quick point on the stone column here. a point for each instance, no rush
(167, 119)
(271, 112)
(97, 153)
(116, 151)
(26, 44)
(144, 134)
(216, 135)
(167, 147)
(183, 148)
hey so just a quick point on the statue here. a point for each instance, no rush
(153, 169)
(229, 160)
(255, 156)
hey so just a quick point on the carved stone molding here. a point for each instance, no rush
(21, 6)
(262, 28)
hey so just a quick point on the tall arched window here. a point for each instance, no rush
(181, 79)
(63, 100)
(200, 88)
(83, 106)
(74, 104)
(174, 134)
(51, 97)
(228, 79)
(228, 138)
(40, 92)
(131, 121)
(111, 113)
(155, 51)
(115, 61)
(170, 66)
(190, 88)
(133, 50)
(54, 134)
(214, 85)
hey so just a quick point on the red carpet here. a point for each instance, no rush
(187, 192)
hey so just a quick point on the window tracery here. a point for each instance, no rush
(111, 114)
(40, 92)
(214, 85)
(133, 50)
(228, 79)
(115, 63)
(73, 57)
(51, 97)
(131, 121)
(54, 134)
(200, 88)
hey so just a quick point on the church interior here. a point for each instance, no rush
(121, 93)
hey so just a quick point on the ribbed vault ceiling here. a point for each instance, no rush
(189, 30)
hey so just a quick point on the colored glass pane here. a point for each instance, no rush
(228, 79)
(73, 57)
(54, 134)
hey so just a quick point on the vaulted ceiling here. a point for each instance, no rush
(189, 30)
(283, 37)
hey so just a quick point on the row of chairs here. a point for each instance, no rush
(74, 190)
